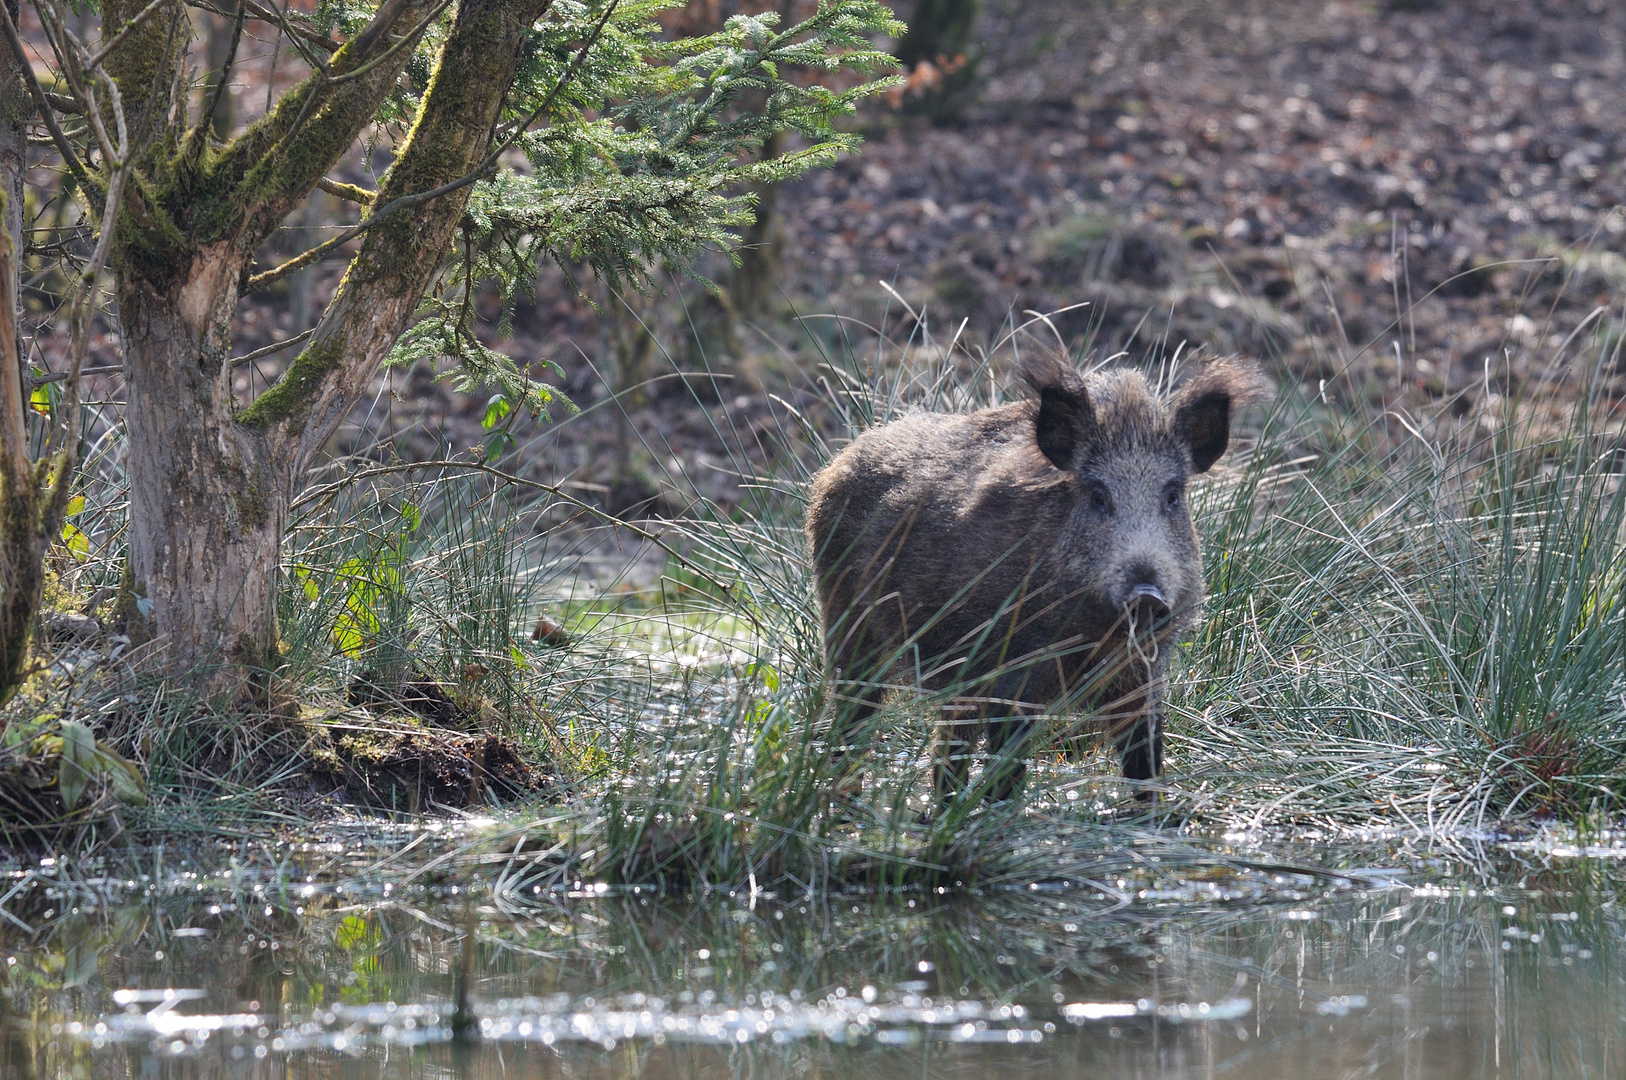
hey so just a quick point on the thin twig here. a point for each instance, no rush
(41, 103)
(280, 19)
(70, 52)
(268, 350)
(266, 15)
(58, 376)
(362, 43)
(409, 37)
(63, 441)
(65, 431)
(200, 134)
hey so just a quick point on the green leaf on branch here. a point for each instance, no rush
(496, 444)
(497, 410)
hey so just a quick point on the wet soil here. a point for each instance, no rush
(403, 768)
(415, 746)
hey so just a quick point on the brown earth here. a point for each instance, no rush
(395, 767)
(1270, 178)
(1416, 198)
(1388, 199)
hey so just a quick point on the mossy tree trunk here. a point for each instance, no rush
(22, 540)
(22, 544)
(211, 483)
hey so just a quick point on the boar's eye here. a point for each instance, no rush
(1099, 497)
(1172, 495)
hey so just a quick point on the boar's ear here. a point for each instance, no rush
(1064, 418)
(1203, 408)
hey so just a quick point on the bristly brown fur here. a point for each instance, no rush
(1008, 558)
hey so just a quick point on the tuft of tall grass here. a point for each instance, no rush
(431, 574)
(1423, 623)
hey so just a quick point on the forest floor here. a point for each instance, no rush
(1425, 199)
(1257, 177)
(1422, 197)
(1384, 199)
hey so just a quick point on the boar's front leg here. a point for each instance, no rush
(1134, 716)
(859, 645)
(1141, 749)
(956, 735)
(1008, 747)
(856, 703)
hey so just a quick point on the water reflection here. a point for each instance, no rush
(268, 970)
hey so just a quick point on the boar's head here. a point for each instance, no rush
(1130, 550)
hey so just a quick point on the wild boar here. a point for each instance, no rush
(1037, 557)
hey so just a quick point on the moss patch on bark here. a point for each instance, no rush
(294, 390)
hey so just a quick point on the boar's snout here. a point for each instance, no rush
(1147, 604)
(1143, 595)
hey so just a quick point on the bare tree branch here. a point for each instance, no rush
(347, 192)
(199, 137)
(40, 101)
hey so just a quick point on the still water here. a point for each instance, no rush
(1395, 960)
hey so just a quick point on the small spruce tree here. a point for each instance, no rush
(633, 149)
